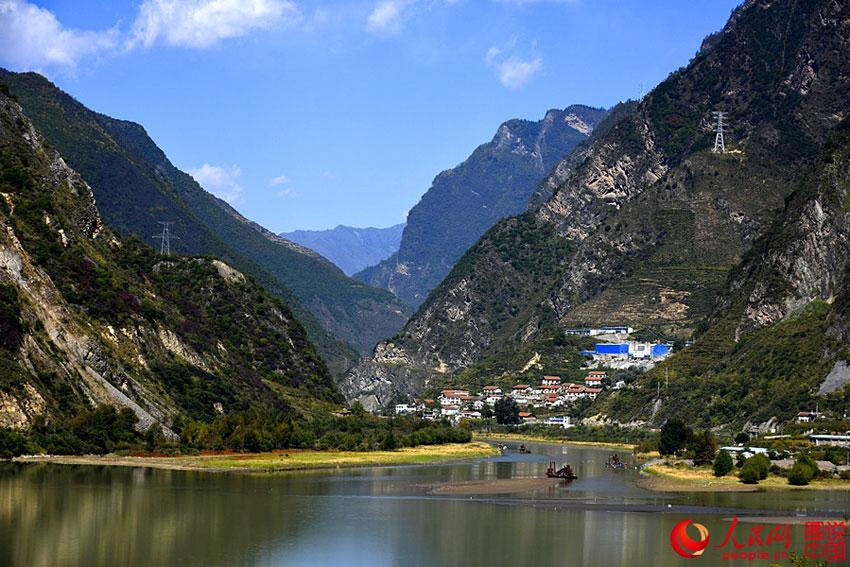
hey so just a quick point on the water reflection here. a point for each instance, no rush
(62, 515)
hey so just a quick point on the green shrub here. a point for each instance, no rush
(762, 464)
(801, 474)
(12, 444)
(723, 464)
(750, 472)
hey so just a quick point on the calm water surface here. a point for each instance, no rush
(70, 516)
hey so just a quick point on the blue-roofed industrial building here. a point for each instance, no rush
(660, 350)
(612, 348)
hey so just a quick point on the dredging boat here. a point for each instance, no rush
(614, 462)
(565, 472)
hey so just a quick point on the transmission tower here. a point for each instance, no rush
(165, 238)
(719, 143)
(642, 92)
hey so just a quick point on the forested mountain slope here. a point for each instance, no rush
(89, 318)
(136, 186)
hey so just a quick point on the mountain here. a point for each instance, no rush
(643, 224)
(352, 249)
(90, 318)
(782, 327)
(496, 181)
(136, 186)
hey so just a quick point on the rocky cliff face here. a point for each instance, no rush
(806, 255)
(496, 181)
(644, 224)
(137, 186)
(87, 318)
(779, 339)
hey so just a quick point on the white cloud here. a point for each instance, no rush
(279, 180)
(32, 38)
(287, 192)
(388, 16)
(221, 181)
(515, 73)
(512, 71)
(202, 23)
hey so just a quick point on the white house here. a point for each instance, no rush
(449, 410)
(453, 397)
(559, 421)
(551, 381)
(808, 416)
(592, 392)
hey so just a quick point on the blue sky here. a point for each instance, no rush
(308, 114)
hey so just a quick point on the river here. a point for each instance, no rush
(116, 516)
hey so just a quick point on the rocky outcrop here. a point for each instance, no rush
(496, 181)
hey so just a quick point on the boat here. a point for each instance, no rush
(614, 462)
(524, 449)
(565, 472)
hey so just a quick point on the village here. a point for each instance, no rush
(551, 395)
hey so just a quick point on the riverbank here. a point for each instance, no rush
(281, 461)
(666, 478)
(519, 437)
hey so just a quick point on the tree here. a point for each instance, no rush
(705, 446)
(803, 471)
(750, 472)
(742, 438)
(486, 411)
(762, 464)
(507, 412)
(801, 474)
(12, 444)
(675, 436)
(723, 463)
(357, 409)
(389, 442)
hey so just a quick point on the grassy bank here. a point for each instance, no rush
(278, 461)
(553, 440)
(666, 478)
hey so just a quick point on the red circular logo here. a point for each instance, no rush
(685, 545)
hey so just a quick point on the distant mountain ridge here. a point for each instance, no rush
(136, 186)
(496, 181)
(351, 249)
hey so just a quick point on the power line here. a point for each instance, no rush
(165, 238)
(719, 143)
